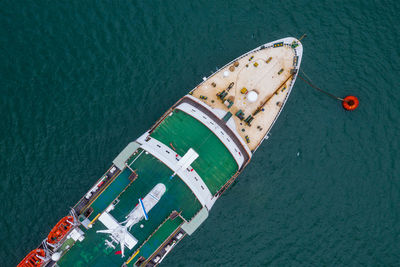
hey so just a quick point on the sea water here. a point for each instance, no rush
(81, 79)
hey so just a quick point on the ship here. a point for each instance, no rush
(161, 187)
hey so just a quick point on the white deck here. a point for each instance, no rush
(188, 159)
(111, 224)
(256, 71)
(190, 227)
(191, 178)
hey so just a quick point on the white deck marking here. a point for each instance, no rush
(230, 123)
(216, 129)
(191, 178)
(112, 224)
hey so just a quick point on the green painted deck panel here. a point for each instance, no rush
(150, 172)
(159, 237)
(215, 164)
(110, 193)
(136, 154)
(92, 251)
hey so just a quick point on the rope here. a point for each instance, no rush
(306, 75)
(317, 88)
(303, 36)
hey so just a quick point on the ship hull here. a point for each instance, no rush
(195, 151)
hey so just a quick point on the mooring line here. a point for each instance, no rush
(319, 89)
(349, 102)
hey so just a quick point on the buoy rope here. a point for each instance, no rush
(317, 88)
(303, 36)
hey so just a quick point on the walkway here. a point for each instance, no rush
(216, 129)
(191, 178)
(215, 163)
(206, 110)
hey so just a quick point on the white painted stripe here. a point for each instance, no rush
(220, 114)
(216, 129)
(154, 197)
(191, 178)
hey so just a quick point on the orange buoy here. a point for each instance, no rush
(350, 102)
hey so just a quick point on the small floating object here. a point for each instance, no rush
(350, 102)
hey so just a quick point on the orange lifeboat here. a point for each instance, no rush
(34, 258)
(60, 230)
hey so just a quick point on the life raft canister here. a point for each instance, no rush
(350, 102)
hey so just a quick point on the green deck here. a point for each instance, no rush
(110, 193)
(159, 237)
(93, 252)
(215, 164)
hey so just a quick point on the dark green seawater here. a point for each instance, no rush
(81, 79)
